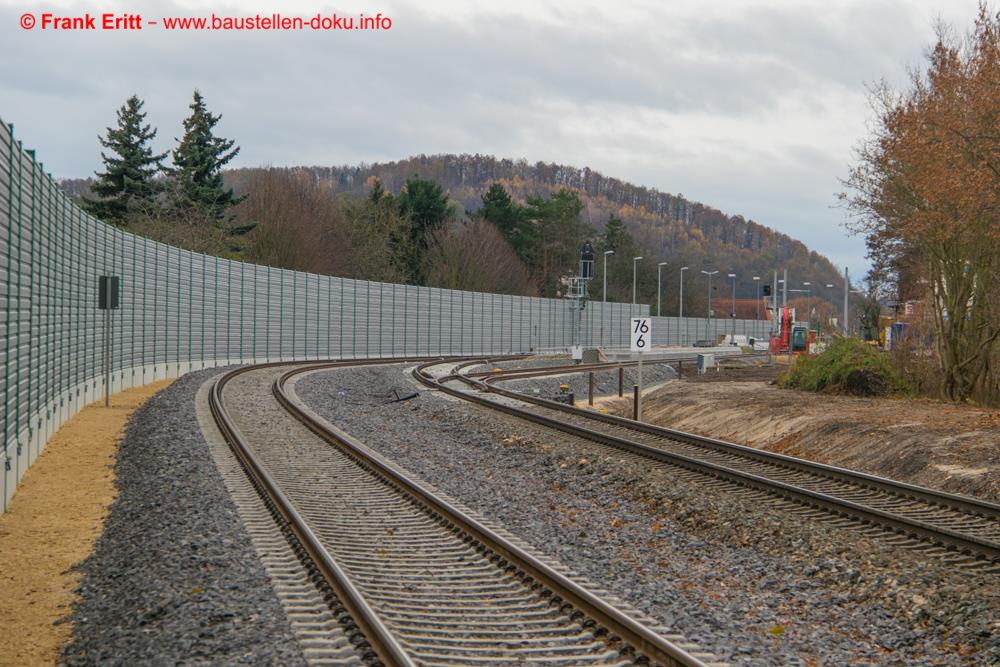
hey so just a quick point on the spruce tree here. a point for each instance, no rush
(425, 204)
(198, 162)
(127, 186)
(509, 218)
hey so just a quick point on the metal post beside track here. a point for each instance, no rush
(638, 394)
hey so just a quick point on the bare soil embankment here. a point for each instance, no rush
(950, 447)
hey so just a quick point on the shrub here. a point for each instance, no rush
(848, 366)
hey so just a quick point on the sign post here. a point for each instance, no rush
(108, 288)
(641, 337)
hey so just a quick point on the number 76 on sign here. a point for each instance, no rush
(641, 334)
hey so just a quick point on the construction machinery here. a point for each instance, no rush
(794, 337)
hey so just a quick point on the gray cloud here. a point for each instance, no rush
(749, 109)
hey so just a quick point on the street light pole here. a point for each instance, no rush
(659, 281)
(784, 289)
(847, 289)
(709, 274)
(681, 314)
(635, 263)
(680, 322)
(829, 286)
(808, 303)
(756, 291)
(732, 313)
(604, 292)
(774, 304)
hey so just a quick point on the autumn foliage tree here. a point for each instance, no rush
(298, 224)
(474, 256)
(926, 193)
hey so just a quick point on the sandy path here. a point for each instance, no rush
(52, 523)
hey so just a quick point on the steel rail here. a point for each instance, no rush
(954, 501)
(381, 640)
(538, 371)
(641, 638)
(949, 538)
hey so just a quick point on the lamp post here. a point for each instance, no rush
(604, 291)
(683, 269)
(709, 274)
(732, 313)
(659, 280)
(829, 286)
(635, 263)
(847, 289)
(680, 322)
(756, 291)
(808, 303)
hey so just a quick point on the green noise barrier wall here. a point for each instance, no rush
(183, 311)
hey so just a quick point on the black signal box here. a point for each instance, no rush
(108, 294)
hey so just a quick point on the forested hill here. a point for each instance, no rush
(668, 227)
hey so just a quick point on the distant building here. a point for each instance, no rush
(746, 309)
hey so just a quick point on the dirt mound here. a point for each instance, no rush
(863, 382)
(951, 447)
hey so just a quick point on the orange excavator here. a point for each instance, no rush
(792, 334)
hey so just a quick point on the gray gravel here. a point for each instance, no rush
(174, 578)
(534, 361)
(606, 382)
(755, 585)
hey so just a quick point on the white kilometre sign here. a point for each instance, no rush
(641, 334)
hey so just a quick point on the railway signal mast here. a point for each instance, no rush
(577, 292)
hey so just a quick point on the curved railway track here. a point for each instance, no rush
(958, 524)
(422, 579)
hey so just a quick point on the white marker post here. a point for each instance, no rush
(641, 336)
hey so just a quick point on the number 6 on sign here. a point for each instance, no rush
(642, 334)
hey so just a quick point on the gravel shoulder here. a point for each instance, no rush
(754, 585)
(174, 577)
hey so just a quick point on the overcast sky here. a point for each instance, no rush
(751, 106)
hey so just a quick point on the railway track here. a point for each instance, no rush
(422, 580)
(562, 369)
(966, 529)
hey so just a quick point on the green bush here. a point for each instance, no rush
(848, 366)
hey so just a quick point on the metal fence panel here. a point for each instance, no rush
(183, 311)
